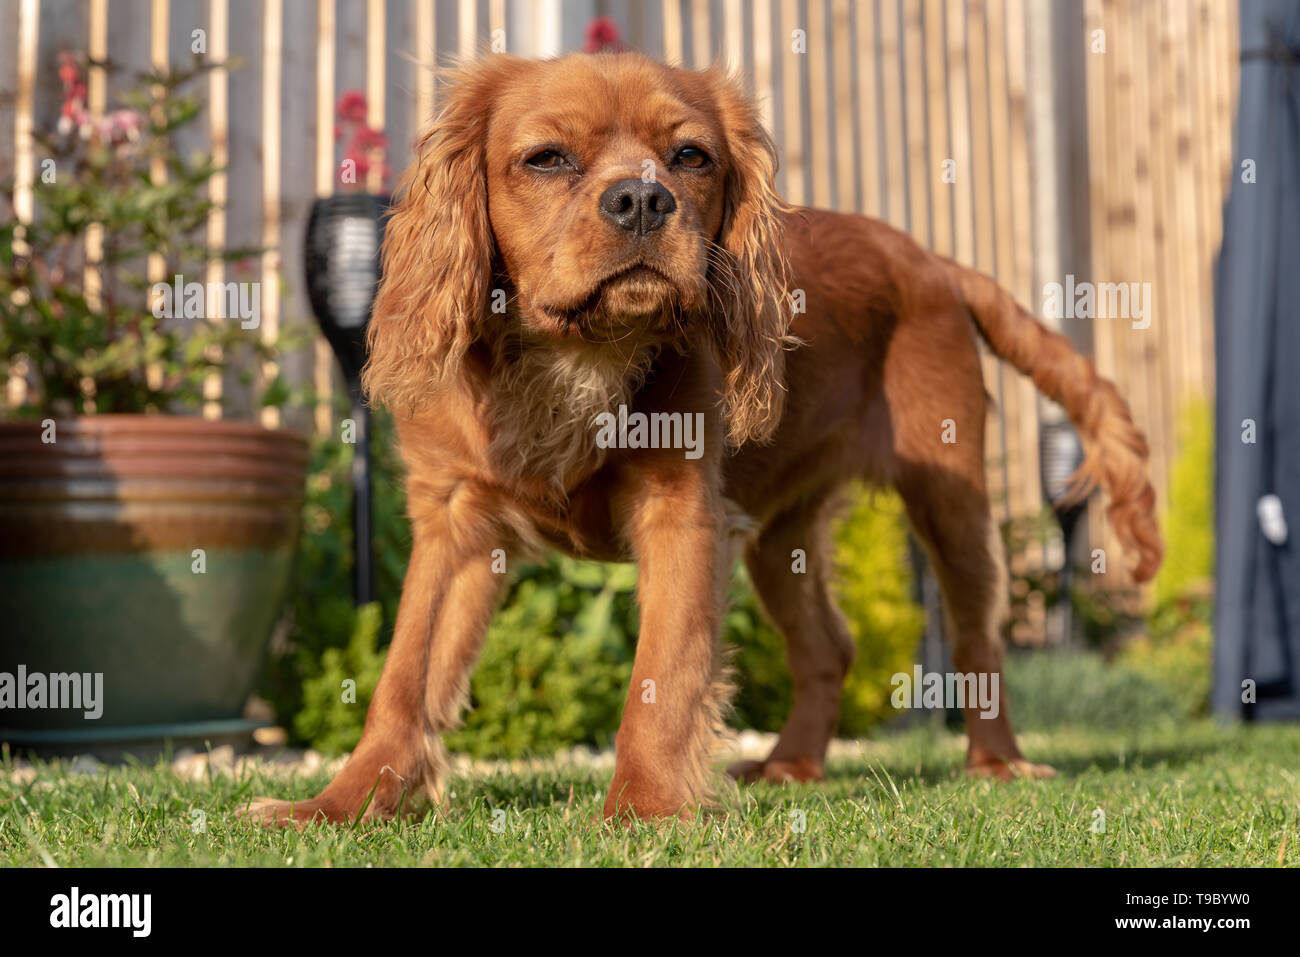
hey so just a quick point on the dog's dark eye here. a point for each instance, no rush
(692, 157)
(547, 159)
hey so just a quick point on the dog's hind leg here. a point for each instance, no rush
(951, 517)
(938, 407)
(819, 648)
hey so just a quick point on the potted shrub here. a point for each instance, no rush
(144, 552)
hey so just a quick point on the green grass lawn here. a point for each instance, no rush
(1193, 795)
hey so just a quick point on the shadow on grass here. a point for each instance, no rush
(923, 761)
(556, 786)
(1136, 758)
(1105, 756)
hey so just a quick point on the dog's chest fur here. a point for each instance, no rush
(544, 411)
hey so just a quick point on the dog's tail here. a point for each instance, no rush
(1116, 456)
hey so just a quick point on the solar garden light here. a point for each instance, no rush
(344, 234)
(1060, 453)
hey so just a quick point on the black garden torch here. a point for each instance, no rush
(344, 234)
(1060, 453)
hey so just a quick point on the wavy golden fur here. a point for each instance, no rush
(596, 232)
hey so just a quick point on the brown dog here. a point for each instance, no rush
(602, 231)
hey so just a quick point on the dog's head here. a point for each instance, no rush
(607, 198)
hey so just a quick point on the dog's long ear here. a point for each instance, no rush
(751, 332)
(437, 255)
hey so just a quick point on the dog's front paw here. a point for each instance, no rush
(270, 812)
(777, 771)
(1009, 769)
(628, 802)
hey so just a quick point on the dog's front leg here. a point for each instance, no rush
(678, 693)
(448, 598)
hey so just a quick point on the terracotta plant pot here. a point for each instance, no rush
(153, 550)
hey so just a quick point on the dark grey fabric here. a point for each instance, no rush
(1257, 348)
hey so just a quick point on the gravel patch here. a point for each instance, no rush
(277, 761)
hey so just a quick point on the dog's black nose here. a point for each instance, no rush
(637, 206)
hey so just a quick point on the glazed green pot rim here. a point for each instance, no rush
(133, 732)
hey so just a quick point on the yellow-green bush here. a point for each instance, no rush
(332, 714)
(1177, 647)
(874, 589)
(1177, 651)
(556, 663)
(1188, 520)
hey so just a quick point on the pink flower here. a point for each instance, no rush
(68, 73)
(121, 126)
(602, 36)
(368, 139)
(365, 146)
(352, 107)
(72, 113)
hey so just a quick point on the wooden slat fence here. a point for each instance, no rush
(1032, 140)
